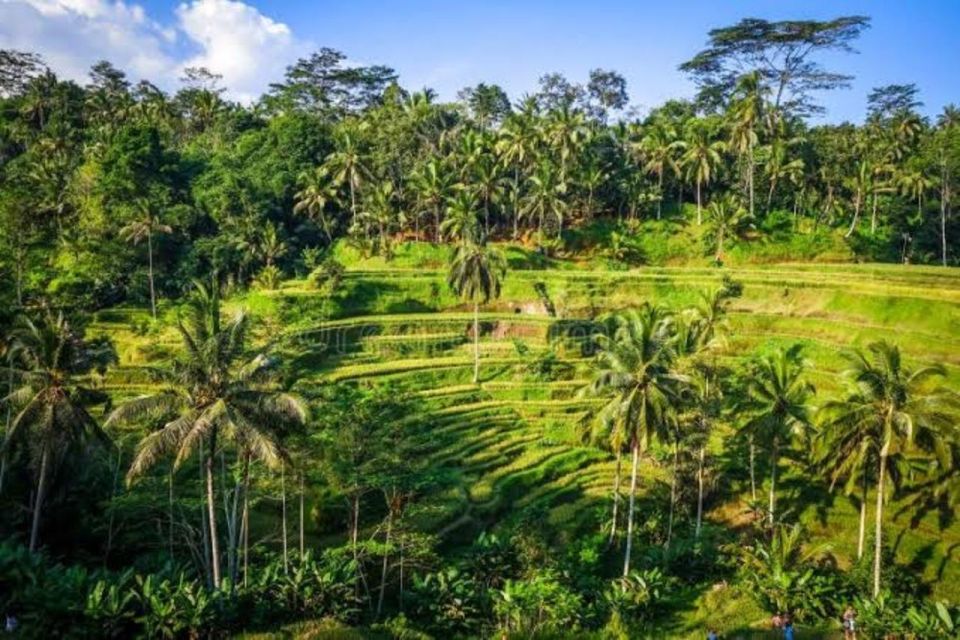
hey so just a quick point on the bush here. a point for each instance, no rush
(268, 279)
(634, 598)
(447, 602)
(537, 605)
(327, 276)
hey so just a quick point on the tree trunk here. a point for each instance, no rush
(283, 513)
(878, 531)
(773, 479)
(673, 493)
(204, 522)
(633, 495)
(153, 295)
(245, 521)
(856, 215)
(113, 495)
(873, 215)
(750, 169)
(516, 201)
(3, 454)
(476, 343)
(753, 475)
(943, 222)
(863, 519)
(301, 518)
(616, 497)
(700, 462)
(38, 501)
(353, 205)
(660, 186)
(20, 253)
(386, 561)
(699, 206)
(436, 218)
(211, 514)
(170, 509)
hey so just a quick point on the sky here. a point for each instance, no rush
(449, 45)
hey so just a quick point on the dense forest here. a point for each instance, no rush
(210, 311)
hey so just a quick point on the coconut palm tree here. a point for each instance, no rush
(846, 452)
(914, 184)
(634, 366)
(49, 360)
(546, 196)
(487, 182)
(776, 402)
(316, 191)
(214, 393)
(461, 219)
(144, 229)
(659, 148)
(565, 132)
(747, 113)
(703, 399)
(725, 217)
(892, 410)
(476, 272)
(947, 126)
(433, 183)
(346, 165)
(701, 158)
(515, 146)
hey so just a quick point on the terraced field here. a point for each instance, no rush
(514, 440)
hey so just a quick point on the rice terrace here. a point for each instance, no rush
(296, 344)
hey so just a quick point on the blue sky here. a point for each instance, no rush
(447, 45)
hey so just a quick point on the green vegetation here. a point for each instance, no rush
(369, 363)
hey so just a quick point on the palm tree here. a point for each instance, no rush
(701, 159)
(486, 180)
(659, 148)
(892, 409)
(316, 191)
(346, 165)
(914, 184)
(776, 403)
(565, 131)
(145, 228)
(379, 211)
(846, 452)
(433, 183)
(546, 196)
(948, 124)
(592, 177)
(461, 219)
(476, 272)
(515, 147)
(215, 394)
(746, 113)
(725, 217)
(634, 366)
(48, 361)
(704, 399)
(269, 246)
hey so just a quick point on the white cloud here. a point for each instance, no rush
(229, 37)
(237, 41)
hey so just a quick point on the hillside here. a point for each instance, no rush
(514, 441)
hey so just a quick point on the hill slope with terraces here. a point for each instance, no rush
(513, 443)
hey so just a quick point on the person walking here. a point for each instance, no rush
(712, 634)
(850, 623)
(788, 633)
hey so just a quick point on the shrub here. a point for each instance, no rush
(326, 277)
(268, 278)
(537, 605)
